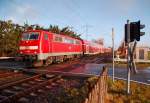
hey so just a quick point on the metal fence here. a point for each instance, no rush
(98, 93)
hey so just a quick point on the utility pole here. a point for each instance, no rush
(113, 55)
(128, 57)
(86, 31)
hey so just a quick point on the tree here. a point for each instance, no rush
(68, 31)
(99, 41)
(63, 31)
(54, 29)
(9, 37)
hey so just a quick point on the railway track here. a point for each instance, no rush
(3, 72)
(8, 74)
(15, 91)
(11, 76)
(25, 89)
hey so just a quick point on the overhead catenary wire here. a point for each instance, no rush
(78, 15)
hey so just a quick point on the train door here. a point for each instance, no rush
(148, 55)
(46, 43)
(87, 49)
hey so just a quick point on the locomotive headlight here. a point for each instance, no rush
(28, 47)
(32, 47)
(22, 47)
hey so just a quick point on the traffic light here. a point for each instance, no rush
(132, 32)
(135, 32)
(139, 33)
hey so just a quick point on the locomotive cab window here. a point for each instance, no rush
(25, 36)
(30, 36)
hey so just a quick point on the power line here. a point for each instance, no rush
(77, 14)
(87, 26)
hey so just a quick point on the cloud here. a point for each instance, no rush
(26, 11)
(21, 13)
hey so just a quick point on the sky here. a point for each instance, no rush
(93, 19)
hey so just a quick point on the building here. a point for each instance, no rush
(142, 53)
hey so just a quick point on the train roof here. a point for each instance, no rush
(53, 33)
(85, 41)
(91, 43)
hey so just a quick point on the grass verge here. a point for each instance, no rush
(117, 92)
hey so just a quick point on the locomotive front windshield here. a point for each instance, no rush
(30, 36)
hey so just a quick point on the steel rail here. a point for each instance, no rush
(20, 81)
(25, 92)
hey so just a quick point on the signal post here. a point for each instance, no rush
(132, 34)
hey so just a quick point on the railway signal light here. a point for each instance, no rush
(135, 31)
(131, 33)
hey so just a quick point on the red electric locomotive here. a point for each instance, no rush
(43, 47)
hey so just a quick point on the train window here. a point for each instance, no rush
(30, 36)
(72, 41)
(58, 39)
(66, 40)
(34, 36)
(45, 36)
(77, 42)
(25, 36)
